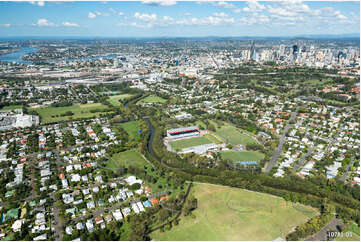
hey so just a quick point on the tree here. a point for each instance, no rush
(135, 186)
(211, 127)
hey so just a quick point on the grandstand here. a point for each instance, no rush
(184, 132)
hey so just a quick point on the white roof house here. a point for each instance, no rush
(17, 225)
(79, 226)
(40, 237)
(132, 179)
(135, 208)
(69, 230)
(117, 215)
(126, 211)
(89, 225)
(140, 206)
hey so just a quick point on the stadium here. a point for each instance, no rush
(181, 133)
(188, 139)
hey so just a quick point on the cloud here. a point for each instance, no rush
(39, 3)
(224, 4)
(254, 6)
(136, 25)
(5, 25)
(237, 10)
(296, 11)
(68, 24)
(210, 20)
(101, 14)
(44, 23)
(92, 15)
(221, 14)
(160, 2)
(168, 19)
(255, 19)
(121, 14)
(145, 17)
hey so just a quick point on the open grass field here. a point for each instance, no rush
(153, 99)
(53, 114)
(135, 159)
(200, 124)
(185, 143)
(11, 107)
(242, 155)
(131, 128)
(114, 100)
(233, 135)
(226, 213)
(127, 158)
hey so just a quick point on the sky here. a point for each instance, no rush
(169, 18)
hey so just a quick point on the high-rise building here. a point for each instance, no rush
(252, 51)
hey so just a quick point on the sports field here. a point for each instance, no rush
(213, 138)
(132, 129)
(114, 100)
(226, 213)
(242, 155)
(232, 135)
(127, 158)
(52, 114)
(153, 99)
(185, 143)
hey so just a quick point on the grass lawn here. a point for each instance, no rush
(226, 213)
(242, 155)
(348, 237)
(233, 135)
(354, 228)
(153, 99)
(185, 143)
(134, 158)
(11, 107)
(9, 237)
(52, 114)
(131, 128)
(200, 124)
(352, 233)
(114, 100)
(127, 158)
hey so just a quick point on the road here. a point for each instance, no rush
(322, 234)
(278, 151)
(303, 159)
(58, 227)
(345, 175)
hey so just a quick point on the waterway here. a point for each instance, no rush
(16, 56)
(151, 137)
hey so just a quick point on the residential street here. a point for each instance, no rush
(303, 159)
(278, 151)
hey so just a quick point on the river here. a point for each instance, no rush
(16, 56)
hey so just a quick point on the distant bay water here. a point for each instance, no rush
(16, 57)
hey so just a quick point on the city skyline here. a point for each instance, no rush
(152, 18)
